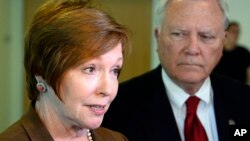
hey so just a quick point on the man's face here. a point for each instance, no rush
(190, 40)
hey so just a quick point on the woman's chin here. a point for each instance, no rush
(93, 124)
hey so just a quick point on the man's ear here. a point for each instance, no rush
(156, 33)
(157, 37)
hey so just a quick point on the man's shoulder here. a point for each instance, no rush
(147, 78)
(230, 89)
(141, 86)
(233, 97)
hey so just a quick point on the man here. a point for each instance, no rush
(236, 58)
(152, 107)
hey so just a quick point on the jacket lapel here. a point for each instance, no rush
(221, 114)
(160, 115)
(34, 127)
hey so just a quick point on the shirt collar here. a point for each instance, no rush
(178, 96)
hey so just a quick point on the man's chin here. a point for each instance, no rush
(191, 79)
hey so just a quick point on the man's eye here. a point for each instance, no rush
(178, 35)
(207, 38)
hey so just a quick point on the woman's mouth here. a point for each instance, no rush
(97, 109)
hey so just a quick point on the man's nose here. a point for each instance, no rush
(193, 46)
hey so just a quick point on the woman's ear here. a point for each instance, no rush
(41, 85)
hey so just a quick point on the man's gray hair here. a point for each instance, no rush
(161, 8)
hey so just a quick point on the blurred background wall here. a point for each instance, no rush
(11, 53)
(136, 15)
(15, 15)
(239, 11)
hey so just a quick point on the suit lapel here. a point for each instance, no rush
(221, 114)
(161, 118)
(160, 115)
(34, 127)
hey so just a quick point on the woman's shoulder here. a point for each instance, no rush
(104, 134)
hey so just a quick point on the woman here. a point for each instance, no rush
(73, 55)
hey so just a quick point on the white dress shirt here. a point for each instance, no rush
(205, 110)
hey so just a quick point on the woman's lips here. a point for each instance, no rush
(98, 109)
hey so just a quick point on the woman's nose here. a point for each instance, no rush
(105, 85)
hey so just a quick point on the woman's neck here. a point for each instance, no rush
(49, 108)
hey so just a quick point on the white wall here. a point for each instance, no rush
(239, 10)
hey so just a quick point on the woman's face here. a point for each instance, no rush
(87, 90)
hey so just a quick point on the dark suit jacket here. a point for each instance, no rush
(30, 128)
(142, 110)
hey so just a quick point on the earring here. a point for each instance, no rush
(41, 87)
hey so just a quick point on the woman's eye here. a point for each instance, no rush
(89, 70)
(117, 71)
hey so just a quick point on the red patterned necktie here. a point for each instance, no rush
(193, 128)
